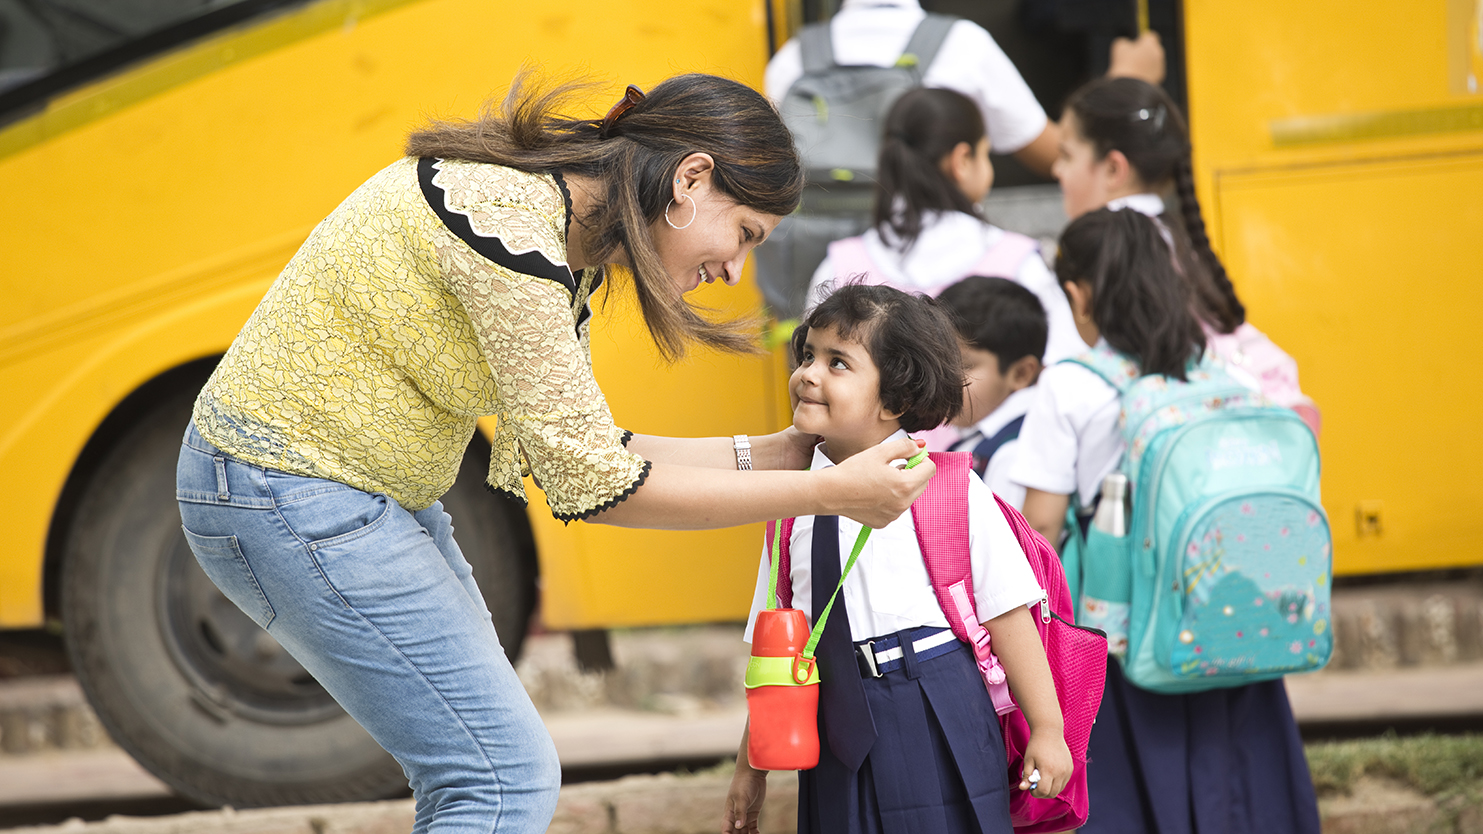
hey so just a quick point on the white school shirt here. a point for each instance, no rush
(1070, 440)
(996, 476)
(875, 33)
(950, 244)
(889, 590)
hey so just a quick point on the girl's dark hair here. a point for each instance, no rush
(1140, 120)
(636, 159)
(922, 127)
(1139, 302)
(911, 341)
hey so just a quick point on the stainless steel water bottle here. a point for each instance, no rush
(1112, 512)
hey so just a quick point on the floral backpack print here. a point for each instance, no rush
(1223, 576)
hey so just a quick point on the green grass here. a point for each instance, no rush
(1436, 765)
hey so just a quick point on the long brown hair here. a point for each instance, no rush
(634, 159)
(1140, 120)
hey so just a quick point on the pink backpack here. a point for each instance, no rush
(1251, 352)
(850, 258)
(1077, 656)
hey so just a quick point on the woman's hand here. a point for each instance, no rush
(744, 800)
(870, 490)
(793, 449)
(1047, 752)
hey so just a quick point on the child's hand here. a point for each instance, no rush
(1047, 753)
(744, 801)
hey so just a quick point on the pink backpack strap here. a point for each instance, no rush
(785, 563)
(1004, 259)
(849, 258)
(940, 516)
(1042, 557)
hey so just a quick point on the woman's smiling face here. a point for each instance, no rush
(708, 235)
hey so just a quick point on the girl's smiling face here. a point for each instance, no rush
(711, 234)
(836, 395)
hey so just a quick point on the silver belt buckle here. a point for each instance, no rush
(868, 650)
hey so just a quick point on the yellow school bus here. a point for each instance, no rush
(154, 184)
(1339, 155)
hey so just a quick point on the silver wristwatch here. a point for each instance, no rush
(743, 447)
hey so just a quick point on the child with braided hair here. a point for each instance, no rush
(1123, 144)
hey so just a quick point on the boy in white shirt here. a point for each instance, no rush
(1002, 332)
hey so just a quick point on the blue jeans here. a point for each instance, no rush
(380, 606)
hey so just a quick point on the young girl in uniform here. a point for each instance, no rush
(1123, 144)
(1226, 761)
(934, 169)
(873, 364)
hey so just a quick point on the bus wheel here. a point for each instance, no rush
(187, 683)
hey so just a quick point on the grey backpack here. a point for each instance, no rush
(836, 114)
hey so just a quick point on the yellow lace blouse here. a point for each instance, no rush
(435, 294)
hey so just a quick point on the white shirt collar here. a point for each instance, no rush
(848, 5)
(1014, 405)
(1149, 204)
(822, 461)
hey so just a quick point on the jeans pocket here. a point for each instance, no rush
(222, 560)
(326, 513)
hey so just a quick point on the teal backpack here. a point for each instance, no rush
(1223, 577)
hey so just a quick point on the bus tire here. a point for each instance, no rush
(188, 684)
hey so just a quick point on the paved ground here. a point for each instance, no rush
(675, 696)
(611, 736)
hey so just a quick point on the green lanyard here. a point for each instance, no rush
(823, 616)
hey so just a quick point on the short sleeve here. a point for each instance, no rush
(1070, 438)
(1048, 441)
(552, 405)
(1002, 578)
(996, 475)
(759, 594)
(785, 68)
(974, 65)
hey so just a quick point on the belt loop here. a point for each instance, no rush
(908, 655)
(867, 652)
(222, 492)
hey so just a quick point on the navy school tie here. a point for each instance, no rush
(848, 725)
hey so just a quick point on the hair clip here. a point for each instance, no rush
(1155, 115)
(632, 96)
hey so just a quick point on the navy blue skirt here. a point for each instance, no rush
(937, 766)
(1228, 761)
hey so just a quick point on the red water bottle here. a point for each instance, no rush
(782, 694)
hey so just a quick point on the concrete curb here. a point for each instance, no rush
(664, 804)
(670, 804)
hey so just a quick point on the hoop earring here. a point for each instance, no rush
(694, 210)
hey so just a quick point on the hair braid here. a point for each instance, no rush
(1231, 312)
